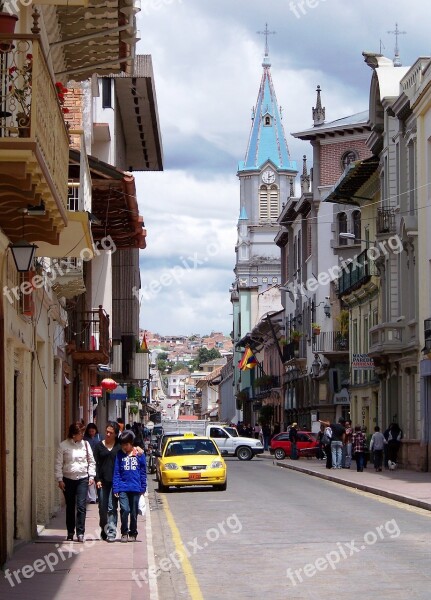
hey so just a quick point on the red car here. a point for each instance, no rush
(306, 444)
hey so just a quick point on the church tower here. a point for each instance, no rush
(265, 176)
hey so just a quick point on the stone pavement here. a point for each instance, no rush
(49, 568)
(409, 487)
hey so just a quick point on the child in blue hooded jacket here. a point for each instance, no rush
(128, 484)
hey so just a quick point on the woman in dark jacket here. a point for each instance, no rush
(105, 454)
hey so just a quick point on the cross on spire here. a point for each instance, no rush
(397, 32)
(266, 33)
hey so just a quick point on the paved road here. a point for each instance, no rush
(279, 534)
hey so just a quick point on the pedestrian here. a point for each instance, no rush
(293, 438)
(120, 424)
(257, 430)
(358, 446)
(337, 440)
(266, 433)
(75, 470)
(377, 446)
(347, 448)
(105, 454)
(129, 483)
(92, 436)
(395, 435)
(326, 443)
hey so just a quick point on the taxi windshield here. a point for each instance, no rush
(190, 446)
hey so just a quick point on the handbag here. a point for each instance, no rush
(142, 506)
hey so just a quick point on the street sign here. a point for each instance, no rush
(96, 391)
(149, 425)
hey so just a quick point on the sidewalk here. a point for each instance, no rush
(51, 569)
(409, 487)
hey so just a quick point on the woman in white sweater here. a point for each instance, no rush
(75, 470)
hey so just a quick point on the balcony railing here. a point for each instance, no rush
(393, 338)
(331, 341)
(91, 343)
(356, 273)
(385, 220)
(263, 389)
(32, 127)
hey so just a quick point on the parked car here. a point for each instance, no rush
(280, 445)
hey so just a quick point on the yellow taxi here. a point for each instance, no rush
(191, 460)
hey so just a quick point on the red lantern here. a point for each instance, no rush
(108, 384)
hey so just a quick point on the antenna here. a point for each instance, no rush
(397, 32)
(266, 33)
(382, 46)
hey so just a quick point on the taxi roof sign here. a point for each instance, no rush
(189, 434)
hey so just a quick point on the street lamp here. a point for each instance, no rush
(316, 366)
(345, 235)
(22, 253)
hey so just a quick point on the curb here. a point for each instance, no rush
(358, 486)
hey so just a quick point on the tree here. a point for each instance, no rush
(178, 366)
(204, 355)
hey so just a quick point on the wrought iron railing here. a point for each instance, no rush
(30, 110)
(93, 335)
(385, 220)
(357, 272)
(331, 341)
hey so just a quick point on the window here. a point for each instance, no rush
(73, 196)
(412, 177)
(267, 121)
(106, 92)
(269, 203)
(342, 228)
(347, 158)
(356, 218)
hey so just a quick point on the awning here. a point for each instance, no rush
(120, 393)
(352, 180)
(75, 240)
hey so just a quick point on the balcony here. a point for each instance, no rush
(69, 277)
(91, 343)
(34, 143)
(331, 341)
(356, 273)
(263, 386)
(393, 338)
(385, 221)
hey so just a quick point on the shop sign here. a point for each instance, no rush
(362, 361)
(96, 391)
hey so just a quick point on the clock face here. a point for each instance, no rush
(268, 176)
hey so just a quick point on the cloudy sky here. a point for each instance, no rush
(207, 60)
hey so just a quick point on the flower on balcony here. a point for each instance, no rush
(19, 85)
(315, 328)
(61, 91)
(295, 335)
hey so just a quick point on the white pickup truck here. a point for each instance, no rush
(226, 438)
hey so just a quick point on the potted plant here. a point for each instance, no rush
(315, 328)
(295, 336)
(343, 333)
(7, 21)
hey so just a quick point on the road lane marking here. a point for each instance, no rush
(191, 581)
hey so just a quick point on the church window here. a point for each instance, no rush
(269, 203)
(267, 121)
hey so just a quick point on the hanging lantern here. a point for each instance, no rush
(108, 384)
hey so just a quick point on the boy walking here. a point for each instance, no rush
(129, 483)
